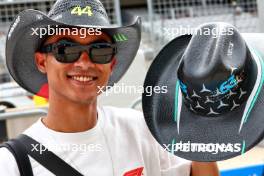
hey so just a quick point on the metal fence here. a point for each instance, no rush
(169, 15)
(9, 9)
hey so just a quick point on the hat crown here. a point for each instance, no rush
(213, 72)
(210, 55)
(76, 12)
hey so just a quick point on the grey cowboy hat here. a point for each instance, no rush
(21, 44)
(213, 107)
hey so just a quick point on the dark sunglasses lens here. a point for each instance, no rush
(67, 58)
(102, 53)
(67, 52)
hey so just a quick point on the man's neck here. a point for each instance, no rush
(70, 117)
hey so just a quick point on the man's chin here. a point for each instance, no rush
(85, 96)
(84, 100)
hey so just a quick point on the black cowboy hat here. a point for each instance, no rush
(21, 44)
(213, 107)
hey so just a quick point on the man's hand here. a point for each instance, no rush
(204, 169)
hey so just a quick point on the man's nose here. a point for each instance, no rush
(84, 61)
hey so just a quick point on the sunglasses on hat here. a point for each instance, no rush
(66, 51)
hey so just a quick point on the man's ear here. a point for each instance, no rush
(113, 63)
(41, 61)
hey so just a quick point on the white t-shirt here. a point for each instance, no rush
(120, 144)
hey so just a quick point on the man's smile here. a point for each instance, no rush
(82, 79)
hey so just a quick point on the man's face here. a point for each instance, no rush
(78, 81)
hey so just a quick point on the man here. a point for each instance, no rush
(94, 140)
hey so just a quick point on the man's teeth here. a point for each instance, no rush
(82, 78)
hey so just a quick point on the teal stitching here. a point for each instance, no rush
(243, 147)
(259, 88)
(176, 101)
(172, 145)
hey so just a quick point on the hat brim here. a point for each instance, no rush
(21, 46)
(171, 122)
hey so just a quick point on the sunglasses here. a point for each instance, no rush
(66, 51)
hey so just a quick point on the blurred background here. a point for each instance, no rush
(160, 21)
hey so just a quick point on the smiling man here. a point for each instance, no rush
(80, 79)
(69, 69)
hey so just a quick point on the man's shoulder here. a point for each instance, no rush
(8, 164)
(5, 154)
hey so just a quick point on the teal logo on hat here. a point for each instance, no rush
(183, 87)
(228, 85)
(120, 38)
